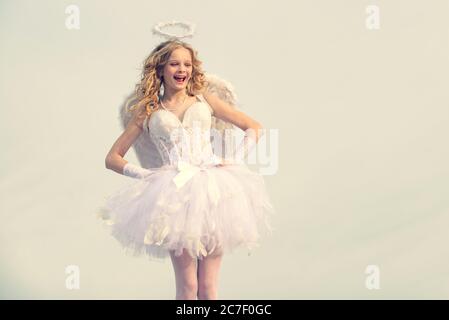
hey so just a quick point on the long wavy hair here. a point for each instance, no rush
(145, 99)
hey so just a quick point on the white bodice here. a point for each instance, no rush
(189, 139)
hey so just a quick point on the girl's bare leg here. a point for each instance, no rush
(185, 268)
(208, 269)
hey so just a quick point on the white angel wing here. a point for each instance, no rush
(146, 151)
(226, 141)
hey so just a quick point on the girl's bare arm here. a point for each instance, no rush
(115, 158)
(226, 112)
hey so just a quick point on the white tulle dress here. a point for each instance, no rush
(189, 203)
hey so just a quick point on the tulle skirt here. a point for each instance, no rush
(214, 210)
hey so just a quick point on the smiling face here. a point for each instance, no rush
(179, 66)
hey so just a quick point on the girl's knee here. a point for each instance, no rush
(190, 285)
(207, 289)
(188, 289)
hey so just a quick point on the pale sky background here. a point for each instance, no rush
(363, 120)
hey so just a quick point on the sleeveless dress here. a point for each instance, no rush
(189, 203)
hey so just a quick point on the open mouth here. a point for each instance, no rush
(180, 79)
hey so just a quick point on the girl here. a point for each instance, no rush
(196, 206)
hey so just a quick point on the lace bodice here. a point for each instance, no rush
(189, 139)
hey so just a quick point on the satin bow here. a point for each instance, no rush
(187, 170)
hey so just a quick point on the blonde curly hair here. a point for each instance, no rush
(145, 99)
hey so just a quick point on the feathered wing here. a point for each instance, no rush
(226, 134)
(146, 151)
